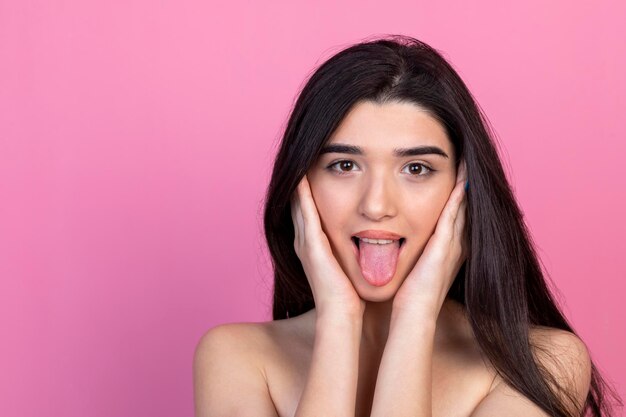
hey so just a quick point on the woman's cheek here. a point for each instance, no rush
(330, 198)
(422, 214)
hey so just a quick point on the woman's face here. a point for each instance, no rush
(372, 188)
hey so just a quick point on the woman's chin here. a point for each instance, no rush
(375, 293)
(378, 297)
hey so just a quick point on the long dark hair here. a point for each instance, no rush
(501, 311)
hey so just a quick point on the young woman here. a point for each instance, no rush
(406, 282)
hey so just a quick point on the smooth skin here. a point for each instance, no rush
(351, 318)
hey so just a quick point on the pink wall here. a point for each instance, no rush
(135, 145)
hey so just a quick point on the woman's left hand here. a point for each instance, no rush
(424, 289)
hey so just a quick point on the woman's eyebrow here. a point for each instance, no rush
(398, 152)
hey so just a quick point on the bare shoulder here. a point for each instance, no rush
(255, 341)
(557, 340)
(227, 361)
(565, 356)
(566, 361)
(241, 339)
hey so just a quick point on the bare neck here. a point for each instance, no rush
(377, 317)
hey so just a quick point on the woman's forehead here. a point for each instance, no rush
(388, 128)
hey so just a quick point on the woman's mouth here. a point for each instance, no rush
(357, 241)
(377, 258)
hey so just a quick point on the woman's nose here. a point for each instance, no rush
(378, 200)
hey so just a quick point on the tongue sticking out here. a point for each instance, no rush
(378, 262)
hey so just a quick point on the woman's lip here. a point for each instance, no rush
(377, 234)
(355, 247)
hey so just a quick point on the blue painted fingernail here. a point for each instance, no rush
(466, 185)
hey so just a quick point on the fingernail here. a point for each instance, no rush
(466, 185)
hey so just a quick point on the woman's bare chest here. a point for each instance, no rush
(460, 381)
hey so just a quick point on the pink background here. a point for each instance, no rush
(136, 139)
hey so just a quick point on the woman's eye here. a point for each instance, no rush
(342, 164)
(345, 166)
(420, 169)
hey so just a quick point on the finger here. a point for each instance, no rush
(460, 197)
(461, 229)
(461, 175)
(459, 222)
(451, 209)
(295, 222)
(296, 215)
(308, 208)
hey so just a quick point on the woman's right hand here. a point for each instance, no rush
(332, 289)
